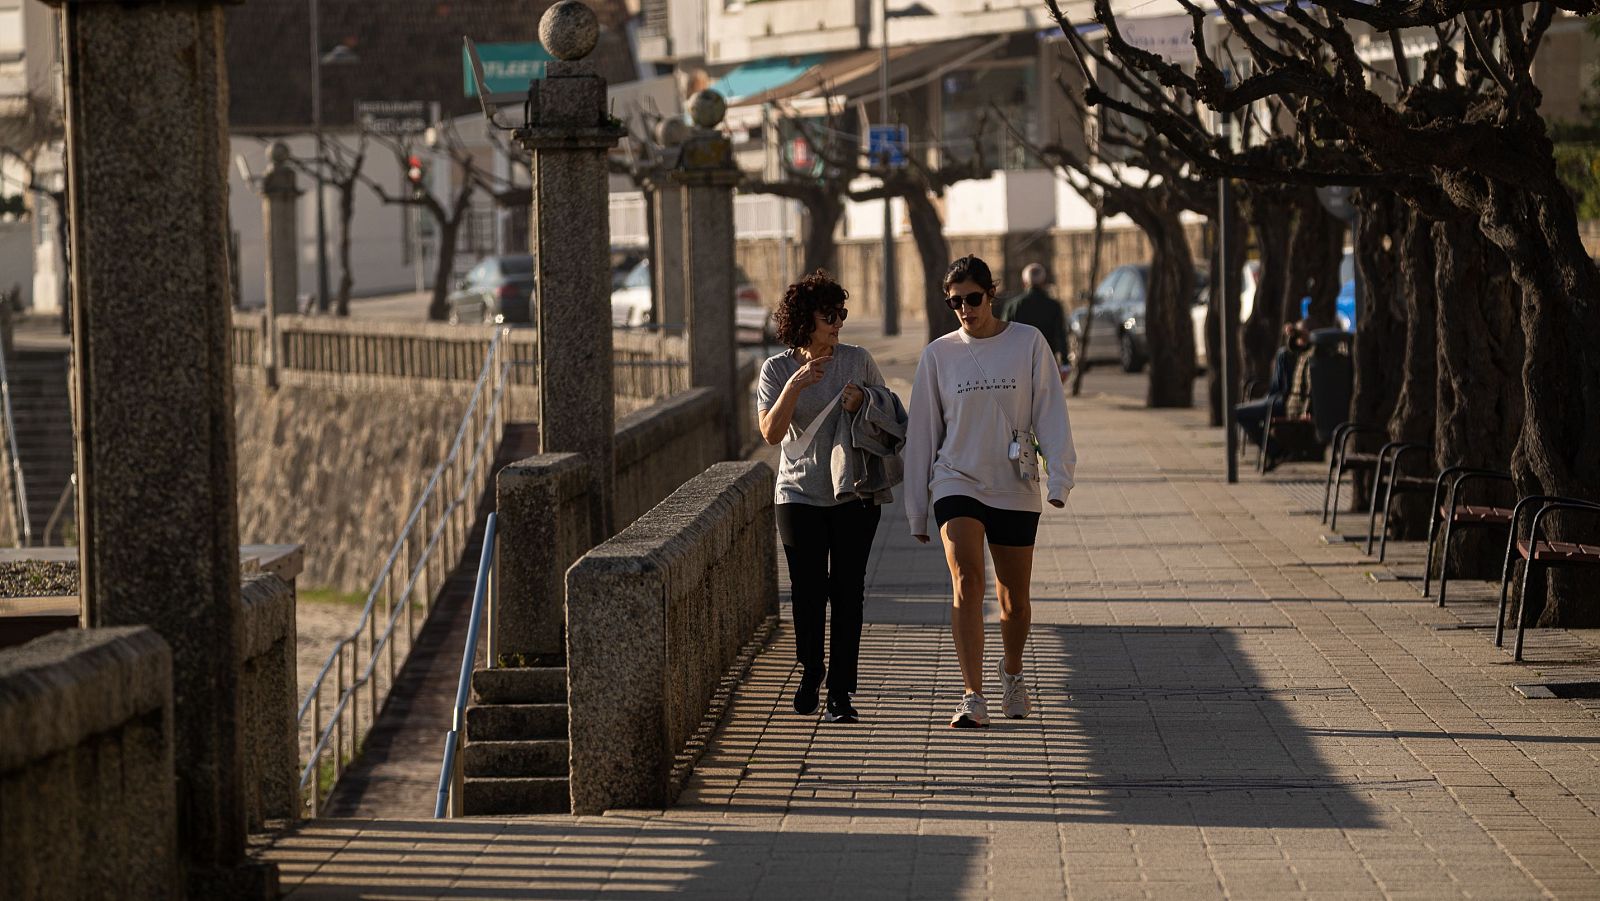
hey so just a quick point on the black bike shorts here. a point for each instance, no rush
(1006, 528)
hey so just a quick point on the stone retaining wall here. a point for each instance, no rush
(87, 795)
(267, 698)
(338, 470)
(655, 618)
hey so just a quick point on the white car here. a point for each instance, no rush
(630, 304)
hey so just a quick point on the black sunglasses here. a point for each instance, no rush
(974, 299)
(834, 317)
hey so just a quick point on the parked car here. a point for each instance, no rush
(498, 289)
(630, 303)
(1117, 332)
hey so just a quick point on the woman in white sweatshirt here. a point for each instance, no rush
(987, 408)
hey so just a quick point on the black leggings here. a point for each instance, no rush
(827, 549)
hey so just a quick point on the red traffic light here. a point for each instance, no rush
(414, 170)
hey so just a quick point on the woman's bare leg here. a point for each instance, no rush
(1013, 573)
(963, 551)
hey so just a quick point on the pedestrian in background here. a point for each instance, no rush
(1035, 307)
(826, 528)
(986, 406)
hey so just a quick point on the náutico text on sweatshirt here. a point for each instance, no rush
(958, 433)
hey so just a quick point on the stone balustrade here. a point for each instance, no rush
(267, 698)
(656, 617)
(88, 803)
(544, 510)
(313, 349)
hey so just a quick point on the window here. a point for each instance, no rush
(972, 94)
(11, 36)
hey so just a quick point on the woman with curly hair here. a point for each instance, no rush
(986, 408)
(826, 537)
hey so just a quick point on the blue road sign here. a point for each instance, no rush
(890, 140)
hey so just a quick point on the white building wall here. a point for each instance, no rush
(377, 244)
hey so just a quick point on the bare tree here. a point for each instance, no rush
(448, 211)
(341, 167)
(25, 136)
(918, 184)
(1473, 135)
(822, 193)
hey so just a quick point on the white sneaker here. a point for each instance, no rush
(972, 714)
(1014, 700)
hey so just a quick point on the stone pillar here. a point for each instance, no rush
(543, 510)
(567, 135)
(708, 174)
(157, 520)
(279, 195)
(670, 252)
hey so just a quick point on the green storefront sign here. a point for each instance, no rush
(507, 68)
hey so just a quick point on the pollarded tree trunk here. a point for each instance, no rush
(1316, 247)
(1270, 218)
(824, 209)
(1230, 270)
(438, 305)
(1558, 450)
(1480, 377)
(1415, 408)
(927, 228)
(1380, 325)
(1168, 328)
(347, 208)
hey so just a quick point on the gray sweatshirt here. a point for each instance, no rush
(968, 396)
(808, 478)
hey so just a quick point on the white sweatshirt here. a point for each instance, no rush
(957, 437)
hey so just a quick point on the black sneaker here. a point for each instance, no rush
(839, 709)
(806, 696)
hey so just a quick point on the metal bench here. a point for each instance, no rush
(1343, 460)
(1456, 515)
(1537, 550)
(1389, 479)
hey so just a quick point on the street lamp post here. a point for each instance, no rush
(316, 131)
(891, 288)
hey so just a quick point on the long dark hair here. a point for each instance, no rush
(796, 316)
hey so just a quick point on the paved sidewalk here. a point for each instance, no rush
(1227, 706)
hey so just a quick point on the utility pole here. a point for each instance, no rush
(891, 288)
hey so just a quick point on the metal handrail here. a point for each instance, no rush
(58, 514)
(23, 519)
(448, 803)
(486, 412)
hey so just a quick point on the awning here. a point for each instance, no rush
(854, 75)
(763, 75)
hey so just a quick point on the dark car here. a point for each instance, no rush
(1117, 332)
(497, 290)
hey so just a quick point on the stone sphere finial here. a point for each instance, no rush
(278, 153)
(707, 108)
(569, 30)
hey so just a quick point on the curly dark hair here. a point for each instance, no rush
(970, 269)
(796, 319)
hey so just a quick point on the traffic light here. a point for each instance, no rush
(416, 173)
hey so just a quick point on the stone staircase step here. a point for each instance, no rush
(516, 722)
(494, 796)
(520, 685)
(545, 758)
